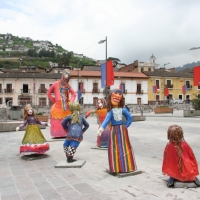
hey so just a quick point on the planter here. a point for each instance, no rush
(163, 110)
(43, 118)
(191, 113)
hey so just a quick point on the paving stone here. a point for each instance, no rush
(11, 197)
(65, 164)
(178, 184)
(50, 194)
(99, 148)
(31, 195)
(84, 188)
(57, 182)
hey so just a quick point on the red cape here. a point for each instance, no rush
(180, 163)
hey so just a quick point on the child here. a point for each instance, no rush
(33, 141)
(73, 125)
(179, 161)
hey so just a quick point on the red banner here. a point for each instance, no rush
(109, 73)
(166, 92)
(197, 76)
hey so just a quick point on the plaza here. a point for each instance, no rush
(39, 179)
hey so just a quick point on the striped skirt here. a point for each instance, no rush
(120, 154)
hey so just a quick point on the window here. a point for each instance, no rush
(158, 84)
(122, 87)
(42, 88)
(198, 88)
(142, 69)
(180, 96)
(149, 69)
(81, 101)
(188, 84)
(1, 101)
(9, 88)
(157, 97)
(95, 88)
(95, 100)
(169, 84)
(139, 89)
(139, 101)
(1, 88)
(81, 87)
(42, 102)
(25, 88)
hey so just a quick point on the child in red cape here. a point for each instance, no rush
(179, 161)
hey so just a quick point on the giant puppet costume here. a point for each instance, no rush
(179, 161)
(60, 107)
(120, 154)
(33, 141)
(101, 112)
(75, 125)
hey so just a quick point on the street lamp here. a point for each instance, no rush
(194, 48)
(106, 89)
(164, 81)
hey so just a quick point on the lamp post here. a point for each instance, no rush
(106, 89)
(194, 48)
(164, 81)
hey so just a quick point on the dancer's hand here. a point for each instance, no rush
(17, 128)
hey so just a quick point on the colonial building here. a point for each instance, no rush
(174, 81)
(31, 88)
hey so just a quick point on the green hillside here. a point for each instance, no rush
(16, 51)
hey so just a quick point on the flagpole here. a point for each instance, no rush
(106, 88)
(164, 82)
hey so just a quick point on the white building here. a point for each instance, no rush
(31, 88)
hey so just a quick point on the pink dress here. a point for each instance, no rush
(59, 109)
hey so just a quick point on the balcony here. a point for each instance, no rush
(95, 91)
(169, 86)
(8, 91)
(25, 91)
(140, 92)
(42, 91)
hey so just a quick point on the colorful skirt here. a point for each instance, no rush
(102, 141)
(120, 154)
(179, 162)
(57, 115)
(34, 141)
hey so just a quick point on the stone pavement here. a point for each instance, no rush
(39, 179)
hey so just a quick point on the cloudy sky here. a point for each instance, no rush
(135, 29)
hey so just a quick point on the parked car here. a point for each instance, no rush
(177, 100)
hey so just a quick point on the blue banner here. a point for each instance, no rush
(103, 75)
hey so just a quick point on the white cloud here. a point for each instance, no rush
(135, 29)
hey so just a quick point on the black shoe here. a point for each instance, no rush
(197, 182)
(170, 183)
(70, 159)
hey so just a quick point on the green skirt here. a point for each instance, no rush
(33, 135)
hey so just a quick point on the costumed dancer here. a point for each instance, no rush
(179, 161)
(120, 154)
(60, 107)
(75, 125)
(101, 112)
(33, 141)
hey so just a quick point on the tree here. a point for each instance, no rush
(63, 61)
(196, 102)
(115, 60)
